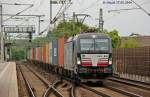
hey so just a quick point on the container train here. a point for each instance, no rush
(84, 57)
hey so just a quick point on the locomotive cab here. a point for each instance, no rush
(93, 57)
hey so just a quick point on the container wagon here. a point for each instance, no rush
(84, 57)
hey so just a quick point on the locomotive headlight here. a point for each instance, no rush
(78, 61)
(110, 62)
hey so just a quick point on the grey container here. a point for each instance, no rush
(68, 56)
(55, 52)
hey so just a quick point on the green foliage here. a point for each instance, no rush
(39, 41)
(18, 53)
(115, 38)
(130, 43)
(67, 29)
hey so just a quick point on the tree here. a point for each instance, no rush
(18, 53)
(67, 29)
(115, 38)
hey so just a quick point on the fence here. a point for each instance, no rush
(132, 63)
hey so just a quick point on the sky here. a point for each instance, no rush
(126, 22)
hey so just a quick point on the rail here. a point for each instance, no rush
(131, 82)
(52, 88)
(28, 85)
(123, 91)
(72, 91)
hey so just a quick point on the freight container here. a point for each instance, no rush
(55, 52)
(61, 51)
(50, 53)
(68, 56)
(33, 53)
(38, 54)
(41, 54)
(44, 53)
(47, 52)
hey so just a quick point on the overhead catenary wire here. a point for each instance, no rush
(35, 10)
(140, 7)
(123, 9)
(92, 5)
(60, 9)
(19, 13)
(61, 13)
(56, 18)
(119, 10)
(65, 8)
(47, 28)
(15, 4)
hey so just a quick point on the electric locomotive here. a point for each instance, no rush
(88, 57)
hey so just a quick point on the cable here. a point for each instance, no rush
(18, 13)
(122, 10)
(15, 4)
(59, 10)
(44, 30)
(60, 14)
(56, 18)
(140, 7)
(66, 7)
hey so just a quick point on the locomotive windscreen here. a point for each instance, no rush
(94, 44)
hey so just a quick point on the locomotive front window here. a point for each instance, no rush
(87, 44)
(94, 44)
(101, 44)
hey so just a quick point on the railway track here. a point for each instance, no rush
(128, 88)
(108, 90)
(113, 91)
(72, 91)
(131, 82)
(38, 86)
(35, 86)
(25, 89)
(53, 88)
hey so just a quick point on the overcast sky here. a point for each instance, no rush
(126, 22)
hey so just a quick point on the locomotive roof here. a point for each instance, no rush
(88, 35)
(91, 34)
